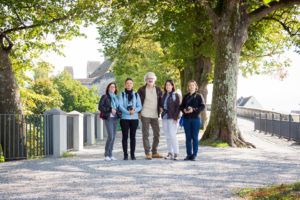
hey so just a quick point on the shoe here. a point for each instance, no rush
(169, 156)
(107, 158)
(113, 158)
(133, 158)
(187, 158)
(125, 157)
(175, 157)
(157, 155)
(148, 156)
(193, 158)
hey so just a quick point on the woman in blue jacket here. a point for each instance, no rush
(130, 105)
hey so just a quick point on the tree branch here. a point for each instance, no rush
(211, 13)
(10, 44)
(274, 5)
(38, 24)
(19, 18)
(285, 27)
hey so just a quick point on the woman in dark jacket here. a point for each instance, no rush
(108, 106)
(191, 106)
(170, 113)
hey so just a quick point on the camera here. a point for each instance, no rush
(189, 108)
(129, 108)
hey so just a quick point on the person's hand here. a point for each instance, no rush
(113, 111)
(132, 112)
(161, 110)
(140, 116)
(187, 112)
(175, 121)
(191, 110)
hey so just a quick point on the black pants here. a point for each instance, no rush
(127, 124)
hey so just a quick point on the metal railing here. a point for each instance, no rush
(70, 133)
(286, 126)
(96, 125)
(25, 136)
(84, 130)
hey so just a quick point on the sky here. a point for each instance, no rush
(271, 93)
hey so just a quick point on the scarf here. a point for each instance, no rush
(114, 100)
(130, 94)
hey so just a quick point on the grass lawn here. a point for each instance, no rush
(272, 192)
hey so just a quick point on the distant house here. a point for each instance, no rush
(296, 110)
(70, 70)
(249, 102)
(98, 75)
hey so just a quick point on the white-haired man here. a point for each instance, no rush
(150, 97)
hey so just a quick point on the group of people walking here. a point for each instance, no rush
(147, 104)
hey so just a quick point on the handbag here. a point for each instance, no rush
(119, 113)
(181, 121)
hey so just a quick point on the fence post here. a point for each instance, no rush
(90, 128)
(99, 124)
(260, 122)
(290, 123)
(266, 123)
(59, 131)
(77, 130)
(280, 119)
(254, 119)
(272, 128)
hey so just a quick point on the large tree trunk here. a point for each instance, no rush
(10, 103)
(230, 33)
(199, 72)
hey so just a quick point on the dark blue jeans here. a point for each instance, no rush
(191, 129)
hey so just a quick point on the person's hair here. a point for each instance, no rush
(172, 83)
(107, 88)
(128, 79)
(192, 81)
(149, 74)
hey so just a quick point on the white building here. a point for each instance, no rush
(249, 102)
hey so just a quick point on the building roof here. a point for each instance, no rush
(91, 81)
(91, 67)
(242, 101)
(103, 68)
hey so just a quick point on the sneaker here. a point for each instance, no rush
(157, 155)
(148, 156)
(113, 158)
(107, 158)
(169, 156)
(175, 157)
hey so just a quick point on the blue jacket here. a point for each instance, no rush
(136, 104)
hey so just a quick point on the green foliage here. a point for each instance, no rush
(184, 32)
(49, 93)
(283, 191)
(146, 56)
(213, 143)
(67, 154)
(267, 42)
(75, 96)
(35, 27)
(172, 24)
(1, 155)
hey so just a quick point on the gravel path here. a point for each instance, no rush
(213, 176)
